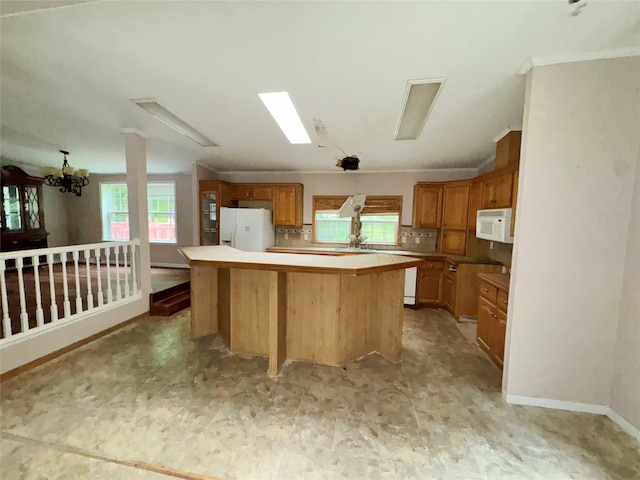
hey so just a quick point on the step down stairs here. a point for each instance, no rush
(171, 300)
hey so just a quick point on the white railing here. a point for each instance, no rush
(107, 279)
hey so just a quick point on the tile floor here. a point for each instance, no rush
(148, 394)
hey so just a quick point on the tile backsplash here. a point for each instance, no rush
(301, 237)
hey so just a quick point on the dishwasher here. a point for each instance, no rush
(410, 276)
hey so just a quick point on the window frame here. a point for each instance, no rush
(104, 221)
(175, 211)
(374, 204)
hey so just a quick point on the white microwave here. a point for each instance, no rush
(494, 225)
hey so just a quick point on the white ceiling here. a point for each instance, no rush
(68, 75)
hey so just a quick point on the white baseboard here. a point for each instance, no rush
(170, 265)
(624, 424)
(557, 404)
(576, 407)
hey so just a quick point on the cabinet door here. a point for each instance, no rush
(514, 202)
(287, 205)
(475, 204)
(486, 322)
(261, 192)
(240, 191)
(456, 206)
(499, 337)
(429, 282)
(496, 191)
(209, 217)
(429, 287)
(427, 206)
(454, 241)
(449, 292)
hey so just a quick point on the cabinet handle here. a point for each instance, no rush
(485, 289)
(494, 315)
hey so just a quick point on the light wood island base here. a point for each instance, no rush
(330, 312)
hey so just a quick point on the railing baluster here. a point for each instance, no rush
(65, 285)
(87, 255)
(76, 256)
(118, 291)
(52, 289)
(133, 270)
(24, 316)
(108, 260)
(125, 251)
(35, 260)
(126, 288)
(6, 320)
(100, 294)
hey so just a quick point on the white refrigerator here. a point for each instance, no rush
(248, 229)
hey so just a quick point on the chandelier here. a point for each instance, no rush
(68, 179)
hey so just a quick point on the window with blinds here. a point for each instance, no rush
(380, 219)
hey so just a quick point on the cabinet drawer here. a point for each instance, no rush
(488, 292)
(428, 265)
(503, 300)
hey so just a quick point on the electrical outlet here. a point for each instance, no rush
(286, 236)
(306, 236)
(417, 239)
(404, 239)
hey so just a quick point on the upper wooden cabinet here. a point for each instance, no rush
(508, 149)
(456, 204)
(514, 202)
(496, 191)
(475, 204)
(251, 191)
(427, 205)
(454, 241)
(287, 204)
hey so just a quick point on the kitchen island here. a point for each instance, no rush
(318, 308)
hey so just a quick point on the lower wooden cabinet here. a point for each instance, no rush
(492, 320)
(460, 288)
(449, 291)
(429, 282)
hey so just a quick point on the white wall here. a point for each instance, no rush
(348, 183)
(84, 224)
(580, 152)
(625, 387)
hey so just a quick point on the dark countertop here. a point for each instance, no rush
(498, 280)
(455, 259)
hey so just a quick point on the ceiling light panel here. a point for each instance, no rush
(284, 113)
(179, 125)
(418, 103)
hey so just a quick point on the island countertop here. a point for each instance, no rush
(228, 257)
(455, 259)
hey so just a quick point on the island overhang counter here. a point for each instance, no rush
(315, 308)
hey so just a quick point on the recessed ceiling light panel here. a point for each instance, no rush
(418, 103)
(168, 118)
(284, 113)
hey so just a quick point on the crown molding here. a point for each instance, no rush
(492, 158)
(133, 130)
(352, 172)
(578, 57)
